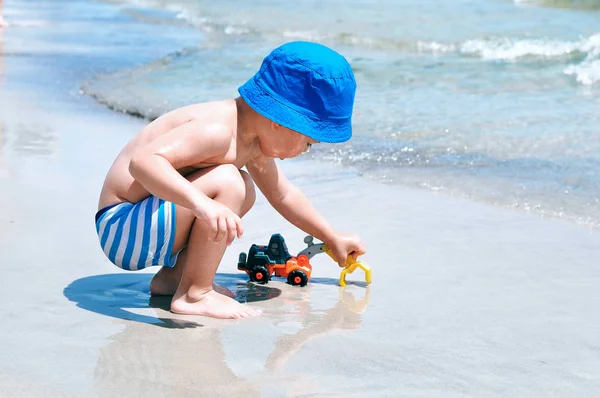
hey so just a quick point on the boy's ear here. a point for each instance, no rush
(274, 126)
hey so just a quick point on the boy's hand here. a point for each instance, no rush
(222, 222)
(343, 246)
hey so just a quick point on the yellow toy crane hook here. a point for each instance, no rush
(313, 249)
(351, 265)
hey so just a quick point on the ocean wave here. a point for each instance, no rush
(139, 91)
(573, 4)
(435, 47)
(586, 73)
(511, 49)
(207, 25)
(584, 54)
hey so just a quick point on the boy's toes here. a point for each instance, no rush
(252, 312)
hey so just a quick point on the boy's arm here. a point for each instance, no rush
(288, 200)
(155, 166)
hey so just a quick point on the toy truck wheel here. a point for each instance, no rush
(259, 274)
(297, 278)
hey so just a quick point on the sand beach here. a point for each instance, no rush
(467, 299)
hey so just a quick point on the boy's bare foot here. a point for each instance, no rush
(211, 304)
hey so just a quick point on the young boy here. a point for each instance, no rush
(175, 194)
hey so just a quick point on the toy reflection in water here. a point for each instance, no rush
(344, 315)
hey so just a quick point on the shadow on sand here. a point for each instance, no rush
(114, 294)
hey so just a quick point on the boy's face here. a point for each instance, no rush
(284, 143)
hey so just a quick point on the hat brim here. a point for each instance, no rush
(331, 131)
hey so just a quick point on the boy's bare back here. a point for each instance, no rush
(186, 129)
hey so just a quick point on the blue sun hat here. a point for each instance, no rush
(306, 87)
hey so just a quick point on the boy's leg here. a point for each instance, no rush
(167, 279)
(195, 295)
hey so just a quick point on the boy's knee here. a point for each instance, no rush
(238, 185)
(250, 197)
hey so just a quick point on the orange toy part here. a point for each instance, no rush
(302, 260)
(293, 264)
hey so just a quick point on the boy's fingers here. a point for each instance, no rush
(341, 258)
(358, 252)
(362, 248)
(222, 230)
(214, 228)
(231, 229)
(240, 227)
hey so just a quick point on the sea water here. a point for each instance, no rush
(492, 100)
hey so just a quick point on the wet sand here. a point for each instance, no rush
(466, 300)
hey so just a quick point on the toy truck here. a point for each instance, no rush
(264, 261)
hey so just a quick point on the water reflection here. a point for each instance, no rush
(25, 137)
(2, 134)
(24, 141)
(1, 49)
(161, 353)
(148, 361)
(2, 150)
(33, 140)
(345, 315)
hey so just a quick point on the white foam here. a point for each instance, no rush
(435, 47)
(586, 73)
(510, 50)
(235, 30)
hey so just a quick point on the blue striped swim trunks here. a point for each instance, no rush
(138, 235)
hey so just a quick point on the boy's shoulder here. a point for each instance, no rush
(202, 111)
(216, 116)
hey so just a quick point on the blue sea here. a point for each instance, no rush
(492, 100)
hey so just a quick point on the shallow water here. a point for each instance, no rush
(495, 101)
